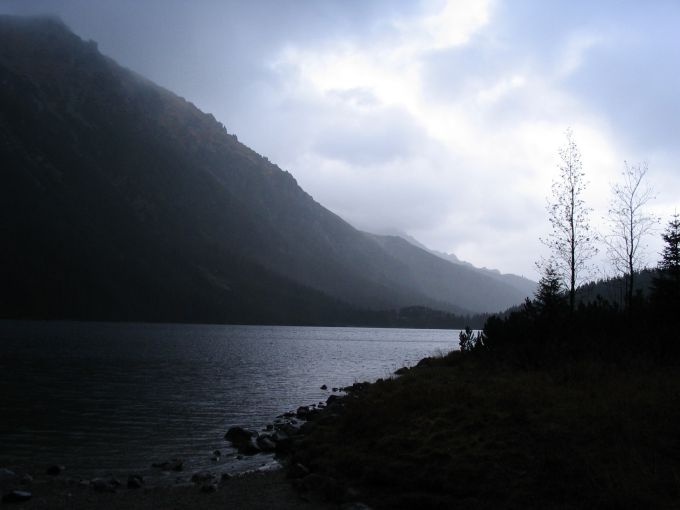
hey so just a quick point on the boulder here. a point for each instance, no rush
(324, 387)
(238, 434)
(55, 470)
(16, 497)
(202, 477)
(135, 482)
(265, 444)
(102, 485)
(170, 465)
(7, 474)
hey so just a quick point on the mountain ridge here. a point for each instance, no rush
(123, 200)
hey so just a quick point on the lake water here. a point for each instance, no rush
(106, 398)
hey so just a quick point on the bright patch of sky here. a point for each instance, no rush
(440, 119)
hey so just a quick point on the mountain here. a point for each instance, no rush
(121, 201)
(524, 285)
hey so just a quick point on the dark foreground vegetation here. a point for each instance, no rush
(547, 408)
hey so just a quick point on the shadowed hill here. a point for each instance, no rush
(121, 200)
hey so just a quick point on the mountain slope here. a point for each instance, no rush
(520, 283)
(121, 200)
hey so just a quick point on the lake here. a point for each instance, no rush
(104, 398)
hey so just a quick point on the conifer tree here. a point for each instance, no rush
(666, 285)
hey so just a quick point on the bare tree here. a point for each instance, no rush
(629, 224)
(571, 240)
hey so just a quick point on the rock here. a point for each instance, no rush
(7, 474)
(355, 506)
(203, 476)
(115, 482)
(135, 482)
(289, 429)
(238, 434)
(16, 497)
(332, 399)
(217, 453)
(225, 477)
(243, 440)
(26, 479)
(324, 387)
(102, 485)
(170, 465)
(401, 371)
(335, 389)
(265, 444)
(214, 458)
(297, 471)
(269, 427)
(55, 470)
(209, 488)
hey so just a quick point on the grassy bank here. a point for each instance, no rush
(456, 432)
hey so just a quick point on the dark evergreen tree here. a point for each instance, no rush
(666, 285)
(549, 297)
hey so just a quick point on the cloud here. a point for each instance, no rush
(438, 118)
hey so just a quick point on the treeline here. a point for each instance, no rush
(634, 315)
(419, 317)
(546, 330)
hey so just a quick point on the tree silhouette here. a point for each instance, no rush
(570, 241)
(666, 286)
(549, 297)
(629, 223)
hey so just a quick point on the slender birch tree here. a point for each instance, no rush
(629, 224)
(571, 240)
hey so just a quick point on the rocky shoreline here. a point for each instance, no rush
(52, 487)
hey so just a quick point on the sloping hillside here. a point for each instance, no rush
(121, 200)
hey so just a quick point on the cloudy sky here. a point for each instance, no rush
(441, 119)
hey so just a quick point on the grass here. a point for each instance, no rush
(466, 434)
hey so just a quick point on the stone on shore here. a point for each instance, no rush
(243, 440)
(7, 474)
(265, 443)
(102, 485)
(16, 497)
(135, 482)
(55, 470)
(202, 477)
(169, 465)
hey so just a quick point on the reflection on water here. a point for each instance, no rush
(113, 398)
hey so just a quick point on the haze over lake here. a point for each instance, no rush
(114, 398)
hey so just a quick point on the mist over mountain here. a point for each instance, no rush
(123, 201)
(522, 284)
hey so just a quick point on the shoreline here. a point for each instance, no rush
(267, 486)
(251, 491)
